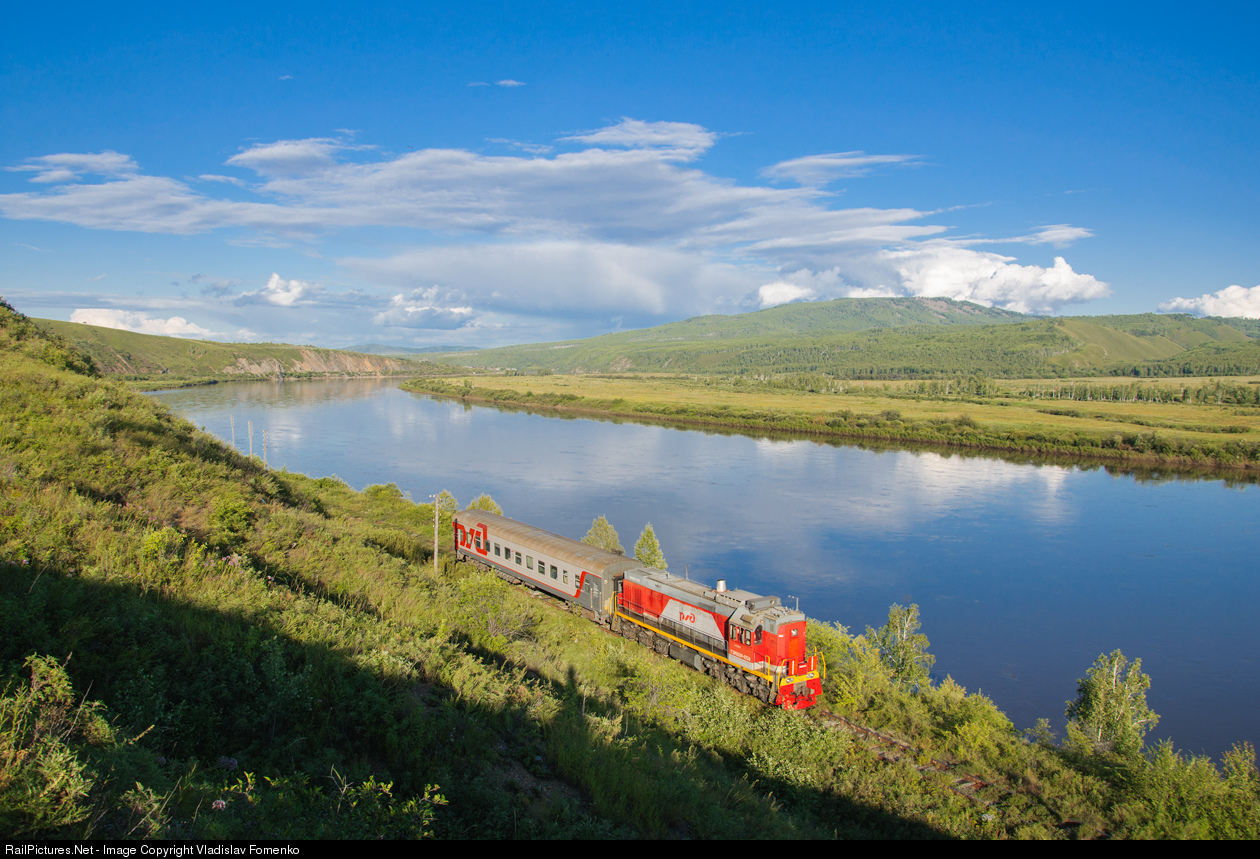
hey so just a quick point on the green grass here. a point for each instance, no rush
(1197, 424)
(199, 647)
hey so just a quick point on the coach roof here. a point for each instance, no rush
(589, 558)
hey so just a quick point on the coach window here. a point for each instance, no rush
(554, 572)
(566, 577)
(477, 538)
(496, 550)
(518, 559)
(529, 562)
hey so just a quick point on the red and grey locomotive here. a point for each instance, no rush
(751, 642)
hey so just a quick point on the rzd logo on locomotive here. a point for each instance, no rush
(469, 538)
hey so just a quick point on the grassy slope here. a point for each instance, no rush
(185, 628)
(900, 338)
(147, 355)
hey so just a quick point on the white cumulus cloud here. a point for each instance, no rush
(422, 309)
(990, 279)
(138, 321)
(1230, 301)
(780, 292)
(282, 293)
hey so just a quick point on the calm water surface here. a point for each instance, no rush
(1024, 574)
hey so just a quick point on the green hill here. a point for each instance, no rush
(134, 355)
(897, 338)
(403, 351)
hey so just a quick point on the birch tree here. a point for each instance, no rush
(902, 648)
(648, 549)
(486, 503)
(603, 536)
(1110, 714)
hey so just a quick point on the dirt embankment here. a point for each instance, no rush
(318, 361)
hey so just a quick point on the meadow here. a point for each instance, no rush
(200, 647)
(1185, 422)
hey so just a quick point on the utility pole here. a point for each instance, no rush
(435, 534)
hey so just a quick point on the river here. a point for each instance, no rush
(1024, 573)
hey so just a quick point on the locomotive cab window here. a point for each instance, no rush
(757, 635)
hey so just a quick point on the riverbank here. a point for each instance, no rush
(1027, 418)
(147, 383)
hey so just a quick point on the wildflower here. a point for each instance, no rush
(218, 805)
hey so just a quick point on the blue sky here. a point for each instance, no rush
(505, 173)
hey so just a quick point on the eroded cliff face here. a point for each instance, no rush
(318, 361)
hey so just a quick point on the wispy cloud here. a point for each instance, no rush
(68, 166)
(509, 83)
(619, 220)
(228, 180)
(531, 148)
(818, 170)
(1059, 235)
(212, 287)
(685, 138)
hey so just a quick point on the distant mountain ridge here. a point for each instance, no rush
(900, 338)
(386, 349)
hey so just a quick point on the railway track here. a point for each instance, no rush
(964, 784)
(893, 750)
